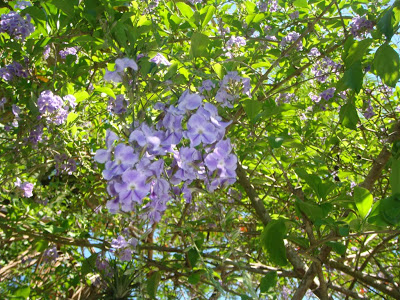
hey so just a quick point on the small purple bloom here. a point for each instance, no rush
(159, 59)
(328, 94)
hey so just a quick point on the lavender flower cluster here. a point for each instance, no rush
(124, 249)
(323, 68)
(11, 71)
(117, 105)
(235, 42)
(290, 38)
(64, 164)
(137, 171)
(159, 59)
(120, 65)
(68, 51)
(26, 188)
(231, 86)
(271, 6)
(54, 108)
(50, 254)
(16, 26)
(360, 25)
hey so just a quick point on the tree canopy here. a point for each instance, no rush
(199, 149)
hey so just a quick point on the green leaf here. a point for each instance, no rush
(348, 116)
(311, 210)
(352, 78)
(208, 17)
(390, 209)
(72, 117)
(252, 108)
(363, 200)
(22, 292)
(171, 71)
(275, 141)
(88, 265)
(41, 245)
(395, 176)
(356, 51)
(66, 6)
(105, 90)
(152, 284)
(385, 24)
(339, 248)
(321, 189)
(387, 65)
(272, 241)
(199, 45)
(219, 70)
(193, 257)
(268, 281)
(301, 3)
(185, 9)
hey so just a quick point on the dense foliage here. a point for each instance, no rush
(200, 149)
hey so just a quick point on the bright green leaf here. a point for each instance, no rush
(208, 17)
(301, 3)
(199, 45)
(185, 9)
(363, 200)
(348, 116)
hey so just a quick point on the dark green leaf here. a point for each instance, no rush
(385, 24)
(363, 200)
(390, 209)
(348, 116)
(152, 284)
(268, 281)
(275, 142)
(272, 241)
(352, 78)
(395, 176)
(89, 264)
(193, 257)
(339, 248)
(387, 64)
(66, 6)
(311, 210)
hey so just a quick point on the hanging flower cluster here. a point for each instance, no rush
(54, 108)
(159, 163)
(16, 26)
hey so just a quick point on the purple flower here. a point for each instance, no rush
(146, 137)
(22, 4)
(71, 100)
(13, 70)
(189, 101)
(328, 94)
(104, 155)
(117, 105)
(294, 15)
(68, 51)
(46, 51)
(125, 254)
(132, 189)
(120, 65)
(359, 25)
(290, 38)
(159, 59)
(50, 254)
(207, 85)
(25, 187)
(124, 158)
(200, 130)
(235, 42)
(314, 52)
(119, 243)
(48, 102)
(16, 26)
